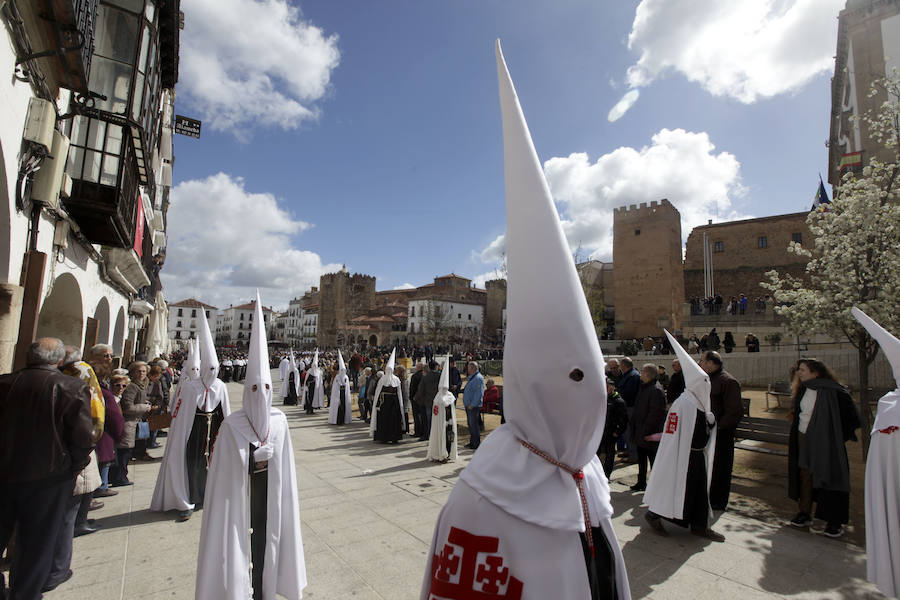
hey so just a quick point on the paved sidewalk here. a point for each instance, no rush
(368, 512)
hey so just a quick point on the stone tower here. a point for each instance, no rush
(493, 312)
(649, 276)
(342, 297)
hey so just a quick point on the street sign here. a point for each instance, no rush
(187, 126)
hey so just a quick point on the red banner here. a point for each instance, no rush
(139, 228)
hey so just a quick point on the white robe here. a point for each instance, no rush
(665, 489)
(223, 558)
(547, 562)
(172, 491)
(883, 498)
(283, 368)
(394, 382)
(318, 399)
(437, 437)
(340, 381)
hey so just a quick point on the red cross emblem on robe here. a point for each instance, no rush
(672, 423)
(468, 568)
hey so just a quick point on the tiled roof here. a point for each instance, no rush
(191, 303)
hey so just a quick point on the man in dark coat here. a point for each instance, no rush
(676, 383)
(628, 386)
(455, 379)
(417, 409)
(425, 394)
(647, 422)
(45, 419)
(615, 426)
(725, 403)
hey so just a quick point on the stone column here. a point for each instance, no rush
(10, 313)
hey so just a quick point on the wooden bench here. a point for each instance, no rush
(779, 390)
(772, 431)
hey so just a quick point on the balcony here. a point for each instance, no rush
(61, 34)
(104, 182)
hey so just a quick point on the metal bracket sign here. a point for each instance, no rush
(187, 126)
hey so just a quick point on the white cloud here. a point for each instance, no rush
(405, 286)
(622, 106)
(495, 250)
(679, 165)
(254, 62)
(745, 49)
(479, 280)
(224, 242)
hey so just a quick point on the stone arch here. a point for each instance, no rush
(118, 338)
(62, 313)
(101, 313)
(373, 340)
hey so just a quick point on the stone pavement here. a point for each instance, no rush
(368, 512)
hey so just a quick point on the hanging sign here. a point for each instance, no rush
(187, 126)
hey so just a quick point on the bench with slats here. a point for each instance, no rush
(772, 431)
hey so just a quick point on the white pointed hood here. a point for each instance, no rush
(292, 363)
(889, 344)
(209, 362)
(258, 382)
(444, 396)
(191, 368)
(315, 363)
(389, 367)
(342, 368)
(696, 380)
(552, 365)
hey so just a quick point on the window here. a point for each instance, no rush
(193, 312)
(470, 316)
(251, 316)
(242, 316)
(637, 232)
(178, 324)
(459, 316)
(180, 312)
(762, 242)
(412, 311)
(240, 325)
(797, 237)
(719, 246)
(177, 335)
(207, 314)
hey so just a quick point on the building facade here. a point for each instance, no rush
(648, 283)
(742, 252)
(235, 323)
(85, 172)
(868, 48)
(184, 319)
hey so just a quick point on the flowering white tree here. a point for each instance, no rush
(856, 257)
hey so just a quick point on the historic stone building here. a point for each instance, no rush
(184, 319)
(742, 252)
(493, 312)
(868, 48)
(342, 298)
(649, 283)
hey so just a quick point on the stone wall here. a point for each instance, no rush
(649, 281)
(496, 302)
(739, 263)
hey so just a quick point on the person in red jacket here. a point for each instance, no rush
(491, 400)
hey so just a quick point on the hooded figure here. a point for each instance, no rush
(883, 474)
(442, 446)
(198, 411)
(284, 366)
(313, 388)
(388, 420)
(190, 369)
(340, 409)
(514, 525)
(290, 381)
(252, 514)
(679, 483)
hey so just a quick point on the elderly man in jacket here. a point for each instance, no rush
(45, 419)
(473, 395)
(725, 403)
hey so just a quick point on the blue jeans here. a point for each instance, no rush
(104, 476)
(472, 419)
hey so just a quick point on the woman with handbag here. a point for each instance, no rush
(134, 407)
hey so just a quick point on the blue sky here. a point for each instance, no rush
(368, 133)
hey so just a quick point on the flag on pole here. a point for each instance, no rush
(821, 200)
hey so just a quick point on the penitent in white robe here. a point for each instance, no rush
(666, 487)
(223, 559)
(394, 382)
(340, 381)
(172, 491)
(437, 437)
(883, 498)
